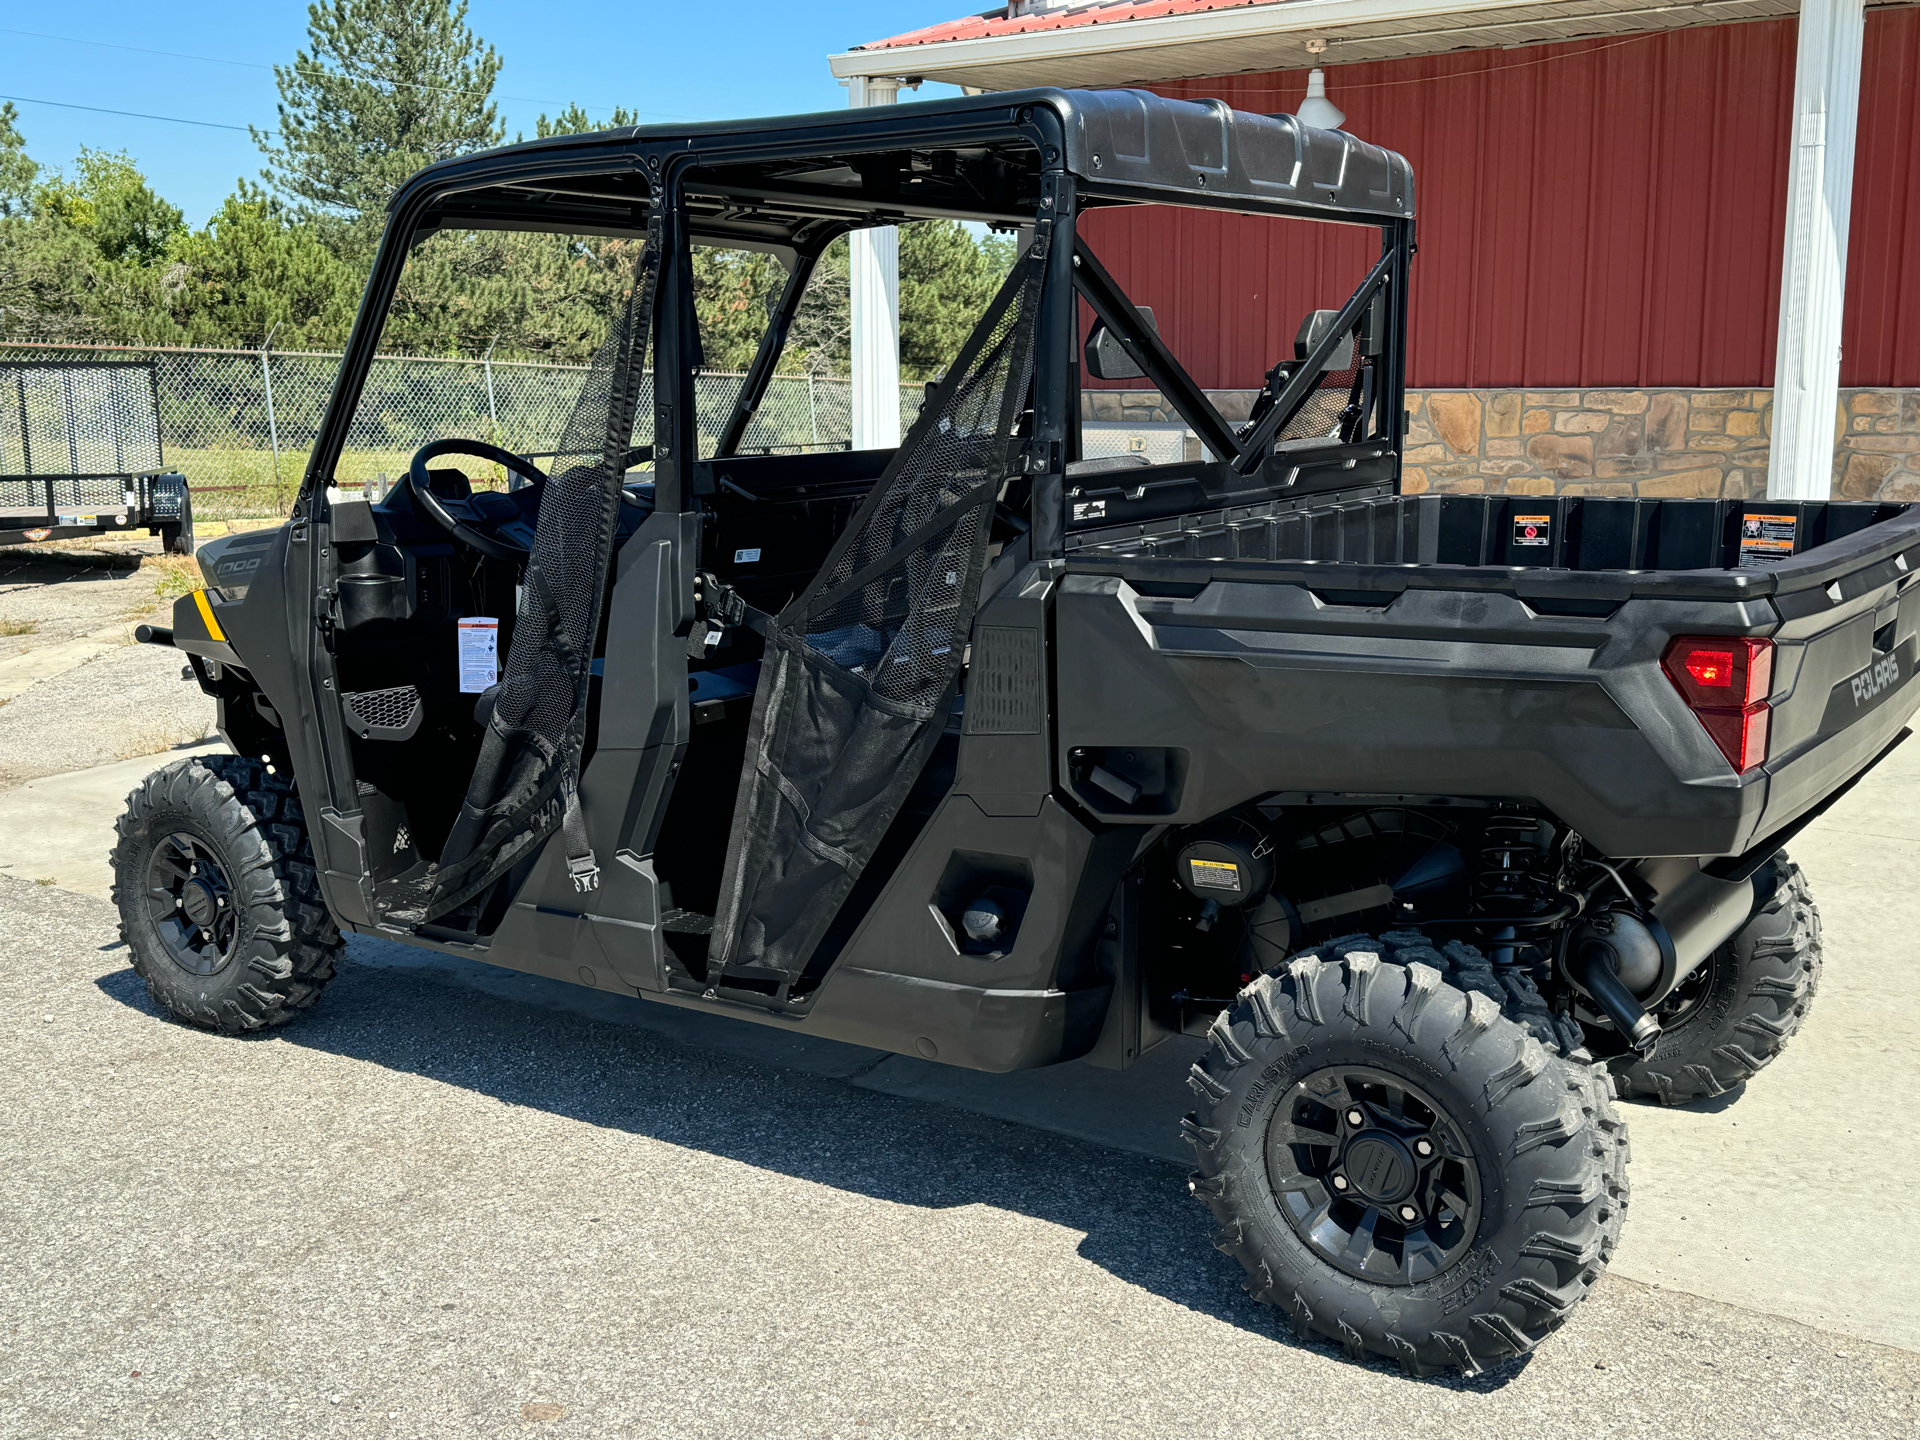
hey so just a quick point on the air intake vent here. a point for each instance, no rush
(383, 715)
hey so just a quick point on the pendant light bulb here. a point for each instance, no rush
(1317, 110)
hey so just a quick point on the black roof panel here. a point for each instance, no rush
(1131, 143)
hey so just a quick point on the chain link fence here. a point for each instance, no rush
(240, 424)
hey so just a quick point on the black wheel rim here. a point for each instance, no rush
(191, 904)
(1373, 1175)
(1680, 1004)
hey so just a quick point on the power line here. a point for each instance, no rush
(134, 114)
(315, 69)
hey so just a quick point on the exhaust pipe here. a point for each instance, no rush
(1615, 957)
(1627, 962)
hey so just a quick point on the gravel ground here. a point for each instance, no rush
(128, 701)
(63, 599)
(426, 1209)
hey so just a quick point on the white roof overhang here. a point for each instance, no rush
(1257, 38)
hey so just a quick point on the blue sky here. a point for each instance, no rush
(711, 60)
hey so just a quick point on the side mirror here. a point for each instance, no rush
(1313, 330)
(1107, 359)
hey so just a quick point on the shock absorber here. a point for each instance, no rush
(1512, 848)
(1507, 882)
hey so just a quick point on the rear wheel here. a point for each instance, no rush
(1737, 1011)
(219, 903)
(1401, 1156)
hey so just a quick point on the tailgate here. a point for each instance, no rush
(1845, 664)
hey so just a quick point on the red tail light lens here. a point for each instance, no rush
(1725, 681)
(1711, 667)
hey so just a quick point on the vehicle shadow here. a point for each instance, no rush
(1133, 1211)
(28, 567)
(1706, 1106)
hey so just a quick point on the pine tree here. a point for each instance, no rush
(249, 274)
(384, 88)
(576, 121)
(946, 281)
(17, 172)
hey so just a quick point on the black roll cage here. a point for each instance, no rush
(1024, 159)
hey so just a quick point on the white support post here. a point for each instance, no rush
(1807, 357)
(874, 296)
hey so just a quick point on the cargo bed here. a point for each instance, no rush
(1381, 647)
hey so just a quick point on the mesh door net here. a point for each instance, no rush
(860, 670)
(525, 782)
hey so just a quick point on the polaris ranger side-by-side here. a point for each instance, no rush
(1445, 819)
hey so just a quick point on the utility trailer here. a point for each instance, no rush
(1445, 820)
(80, 454)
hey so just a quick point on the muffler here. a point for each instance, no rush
(1698, 911)
(1626, 960)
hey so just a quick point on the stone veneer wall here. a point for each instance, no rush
(1611, 442)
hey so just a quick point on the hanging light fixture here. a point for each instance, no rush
(1317, 110)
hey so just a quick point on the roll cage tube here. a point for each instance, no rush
(1307, 373)
(415, 203)
(773, 340)
(1147, 350)
(1144, 345)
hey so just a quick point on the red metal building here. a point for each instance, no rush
(1600, 213)
(1606, 211)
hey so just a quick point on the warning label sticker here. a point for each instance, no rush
(1531, 529)
(1217, 875)
(479, 652)
(1766, 540)
(1090, 510)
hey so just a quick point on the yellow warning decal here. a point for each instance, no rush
(214, 631)
(1217, 875)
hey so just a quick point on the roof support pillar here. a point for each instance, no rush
(874, 298)
(1807, 357)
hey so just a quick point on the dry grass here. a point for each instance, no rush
(18, 627)
(174, 575)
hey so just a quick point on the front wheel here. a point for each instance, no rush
(219, 902)
(1401, 1156)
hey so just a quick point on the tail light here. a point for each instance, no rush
(1725, 680)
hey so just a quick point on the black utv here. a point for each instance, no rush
(1444, 819)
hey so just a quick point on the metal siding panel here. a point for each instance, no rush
(1560, 247)
(1504, 229)
(1880, 341)
(1590, 213)
(1747, 185)
(1634, 98)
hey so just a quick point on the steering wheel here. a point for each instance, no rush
(435, 508)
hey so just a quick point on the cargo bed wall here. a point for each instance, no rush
(1555, 532)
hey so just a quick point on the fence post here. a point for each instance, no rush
(273, 429)
(492, 415)
(813, 422)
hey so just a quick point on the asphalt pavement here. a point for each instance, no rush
(444, 1204)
